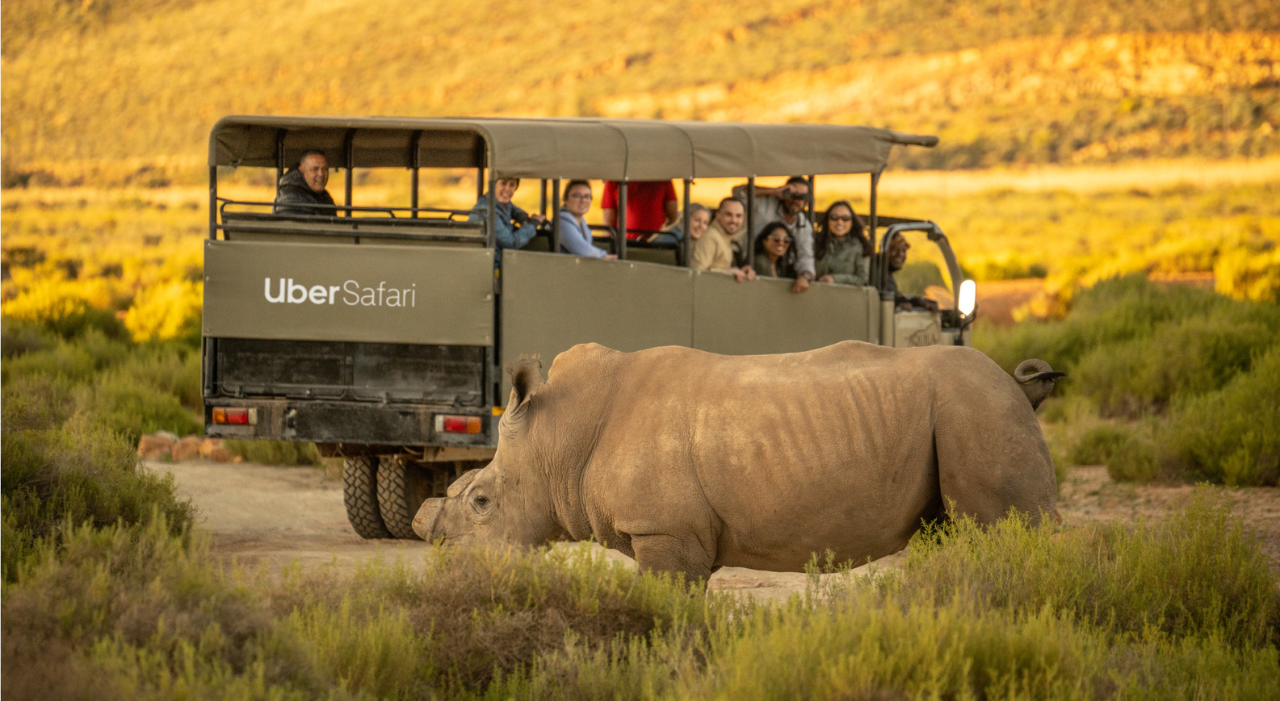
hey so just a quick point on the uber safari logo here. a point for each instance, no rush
(349, 293)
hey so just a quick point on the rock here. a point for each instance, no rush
(213, 449)
(155, 446)
(187, 448)
(173, 437)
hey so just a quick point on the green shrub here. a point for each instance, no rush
(1133, 460)
(1196, 573)
(78, 472)
(18, 338)
(1111, 312)
(169, 368)
(1008, 611)
(1188, 357)
(122, 404)
(275, 452)
(78, 360)
(1232, 435)
(1098, 444)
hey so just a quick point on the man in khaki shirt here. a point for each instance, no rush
(714, 250)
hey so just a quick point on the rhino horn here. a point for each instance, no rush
(1036, 377)
(424, 523)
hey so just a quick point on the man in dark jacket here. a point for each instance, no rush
(304, 186)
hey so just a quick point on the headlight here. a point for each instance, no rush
(968, 297)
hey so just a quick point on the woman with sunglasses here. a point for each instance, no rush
(775, 256)
(841, 249)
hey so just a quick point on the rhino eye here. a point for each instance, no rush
(482, 501)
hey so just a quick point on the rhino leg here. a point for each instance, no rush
(672, 554)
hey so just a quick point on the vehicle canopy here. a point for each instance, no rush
(599, 149)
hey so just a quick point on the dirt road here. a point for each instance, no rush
(278, 515)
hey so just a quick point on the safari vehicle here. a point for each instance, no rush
(381, 333)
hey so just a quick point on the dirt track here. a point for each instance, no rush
(277, 515)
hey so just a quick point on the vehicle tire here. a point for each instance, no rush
(402, 487)
(360, 495)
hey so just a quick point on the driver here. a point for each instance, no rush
(303, 187)
(897, 259)
(514, 227)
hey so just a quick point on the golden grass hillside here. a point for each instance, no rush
(113, 92)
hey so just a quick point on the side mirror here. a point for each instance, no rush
(968, 297)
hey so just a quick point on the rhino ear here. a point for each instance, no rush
(526, 378)
(460, 485)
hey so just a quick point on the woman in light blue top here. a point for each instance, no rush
(575, 234)
(513, 227)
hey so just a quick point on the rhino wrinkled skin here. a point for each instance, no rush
(688, 461)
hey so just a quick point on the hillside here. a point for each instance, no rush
(108, 92)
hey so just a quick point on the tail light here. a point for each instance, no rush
(230, 415)
(457, 424)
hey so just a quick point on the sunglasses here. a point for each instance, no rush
(840, 217)
(779, 239)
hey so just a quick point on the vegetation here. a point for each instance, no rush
(1196, 375)
(1001, 82)
(1179, 609)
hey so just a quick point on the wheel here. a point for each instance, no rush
(360, 495)
(402, 487)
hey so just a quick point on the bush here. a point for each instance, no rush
(1098, 444)
(167, 312)
(1133, 460)
(78, 360)
(18, 338)
(1113, 311)
(1187, 357)
(1232, 435)
(121, 404)
(1004, 611)
(1197, 573)
(275, 452)
(76, 473)
(65, 308)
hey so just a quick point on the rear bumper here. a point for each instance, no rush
(349, 422)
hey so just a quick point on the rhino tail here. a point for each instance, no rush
(1036, 378)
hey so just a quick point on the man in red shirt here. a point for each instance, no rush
(651, 206)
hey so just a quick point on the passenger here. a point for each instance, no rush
(785, 204)
(699, 220)
(304, 186)
(841, 249)
(514, 227)
(575, 233)
(651, 206)
(897, 253)
(774, 255)
(714, 249)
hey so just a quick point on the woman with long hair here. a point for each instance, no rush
(775, 256)
(840, 247)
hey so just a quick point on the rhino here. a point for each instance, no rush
(688, 461)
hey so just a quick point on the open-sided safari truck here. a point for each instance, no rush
(381, 333)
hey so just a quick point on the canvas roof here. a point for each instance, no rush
(606, 149)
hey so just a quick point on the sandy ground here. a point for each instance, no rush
(275, 516)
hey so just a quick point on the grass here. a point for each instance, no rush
(1000, 82)
(275, 452)
(1156, 611)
